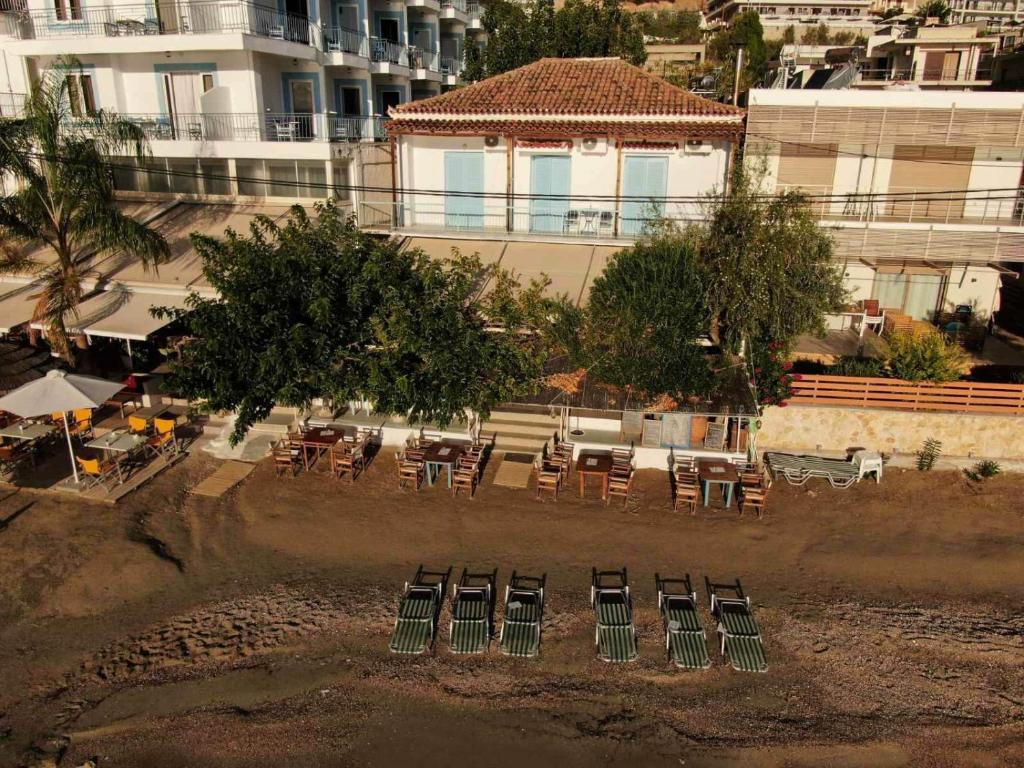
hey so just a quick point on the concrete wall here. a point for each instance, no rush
(812, 429)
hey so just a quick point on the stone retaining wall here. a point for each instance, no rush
(812, 428)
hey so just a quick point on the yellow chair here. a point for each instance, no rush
(83, 422)
(138, 425)
(163, 440)
(97, 472)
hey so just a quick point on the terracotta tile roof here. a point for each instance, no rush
(570, 87)
(556, 129)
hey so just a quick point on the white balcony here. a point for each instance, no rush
(454, 10)
(433, 6)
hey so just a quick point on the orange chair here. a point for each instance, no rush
(82, 426)
(138, 425)
(163, 440)
(97, 472)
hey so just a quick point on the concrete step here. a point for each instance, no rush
(524, 418)
(278, 423)
(517, 429)
(518, 446)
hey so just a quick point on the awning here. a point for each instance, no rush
(122, 314)
(17, 303)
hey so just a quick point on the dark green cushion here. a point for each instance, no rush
(412, 636)
(682, 611)
(616, 643)
(688, 650)
(736, 619)
(469, 636)
(746, 654)
(520, 638)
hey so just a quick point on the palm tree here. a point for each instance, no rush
(63, 198)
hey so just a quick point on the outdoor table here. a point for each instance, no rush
(23, 431)
(319, 440)
(156, 411)
(440, 454)
(719, 472)
(121, 399)
(598, 464)
(117, 442)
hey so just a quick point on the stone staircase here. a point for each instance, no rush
(520, 432)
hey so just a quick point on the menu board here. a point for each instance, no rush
(652, 433)
(675, 430)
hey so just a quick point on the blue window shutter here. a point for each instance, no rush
(549, 175)
(464, 172)
(646, 180)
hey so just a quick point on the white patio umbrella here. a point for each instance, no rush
(59, 391)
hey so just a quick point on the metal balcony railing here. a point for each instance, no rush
(420, 59)
(387, 51)
(925, 75)
(271, 126)
(342, 40)
(473, 9)
(451, 66)
(458, 5)
(12, 104)
(193, 18)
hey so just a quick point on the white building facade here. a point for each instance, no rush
(241, 98)
(922, 188)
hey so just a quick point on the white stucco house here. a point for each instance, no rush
(578, 149)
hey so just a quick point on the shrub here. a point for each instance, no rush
(925, 357)
(983, 470)
(858, 366)
(928, 454)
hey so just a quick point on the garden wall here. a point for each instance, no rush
(813, 428)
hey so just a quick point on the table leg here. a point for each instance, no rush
(729, 488)
(604, 490)
(450, 475)
(707, 492)
(582, 477)
(430, 473)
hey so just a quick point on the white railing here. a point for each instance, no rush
(420, 59)
(12, 104)
(923, 75)
(907, 205)
(342, 40)
(451, 66)
(458, 5)
(271, 126)
(184, 19)
(387, 51)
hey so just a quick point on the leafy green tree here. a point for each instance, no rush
(935, 9)
(472, 61)
(745, 32)
(639, 329)
(317, 308)
(789, 35)
(64, 200)
(671, 26)
(768, 264)
(926, 357)
(520, 34)
(890, 12)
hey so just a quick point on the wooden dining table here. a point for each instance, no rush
(319, 440)
(591, 463)
(442, 454)
(718, 472)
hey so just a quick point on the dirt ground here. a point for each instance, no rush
(174, 630)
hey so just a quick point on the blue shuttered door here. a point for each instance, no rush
(549, 175)
(464, 172)
(646, 180)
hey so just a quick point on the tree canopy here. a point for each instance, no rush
(519, 34)
(935, 9)
(317, 308)
(745, 31)
(671, 26)
(64, 199)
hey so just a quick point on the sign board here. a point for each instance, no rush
(675, 430)
(652, 433)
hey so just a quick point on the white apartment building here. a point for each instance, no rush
(778, 13)
(274, 93)
(997, 14)
(923, 188)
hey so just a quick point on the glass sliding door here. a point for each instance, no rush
(464, 176)
(549, 190)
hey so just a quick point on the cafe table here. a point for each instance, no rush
(442, 454)
(718, 472)
(319, 440)
(27, 431)
(594, 464)
(118, 442)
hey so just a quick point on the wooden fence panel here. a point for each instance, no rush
(954, 396)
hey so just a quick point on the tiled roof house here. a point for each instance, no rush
(560, 148)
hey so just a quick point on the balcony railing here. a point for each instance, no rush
(389, 52)
(473, 9)
(420, 59)
(908, 206)
(925, 75)
(458, 5)
(12, 104)
(194, 18)
(450, 66)
(255, 127)
(342, 40)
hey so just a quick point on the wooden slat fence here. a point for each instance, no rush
(957, 396)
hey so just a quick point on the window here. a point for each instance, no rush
(340, 181)
(211, 169)
(247, 171)
(207, 83)
(282, 178)
(912, 293)
(67, 10)
(351, 102)
(389, 99)
(80, 94)
(389, 29)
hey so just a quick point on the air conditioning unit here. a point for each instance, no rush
(591, 145)
(491, 141)
(697, 147)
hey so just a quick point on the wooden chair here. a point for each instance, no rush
(468, 464)
(96, 472)
(286, 459)
(751, 479)
(464, 479)
(343, 461)
(619, 485)
(565, 452)
(548, 479)
(753, 498)
(409, 471)
(686, 494)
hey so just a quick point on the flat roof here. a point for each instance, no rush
(782, 97)
(17, 303)
(122, 314)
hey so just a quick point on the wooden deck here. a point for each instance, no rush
(227, 476)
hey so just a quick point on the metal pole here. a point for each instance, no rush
(736, 79)
(71, 448)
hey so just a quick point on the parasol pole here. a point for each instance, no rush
(71, 448)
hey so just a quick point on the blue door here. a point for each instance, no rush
(464, 172)
(549, 175)
(645, 180)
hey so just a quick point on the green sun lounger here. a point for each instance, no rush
(524, 615)
(472, 612)
(416, 625)
(685, 640)
(615, 635)
(737, 628)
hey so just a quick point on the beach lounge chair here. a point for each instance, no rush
(685, 641)
(615, 635)
(472, 612)
(799, 469)
(416, 625)
(524, 615)
(737, 628)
